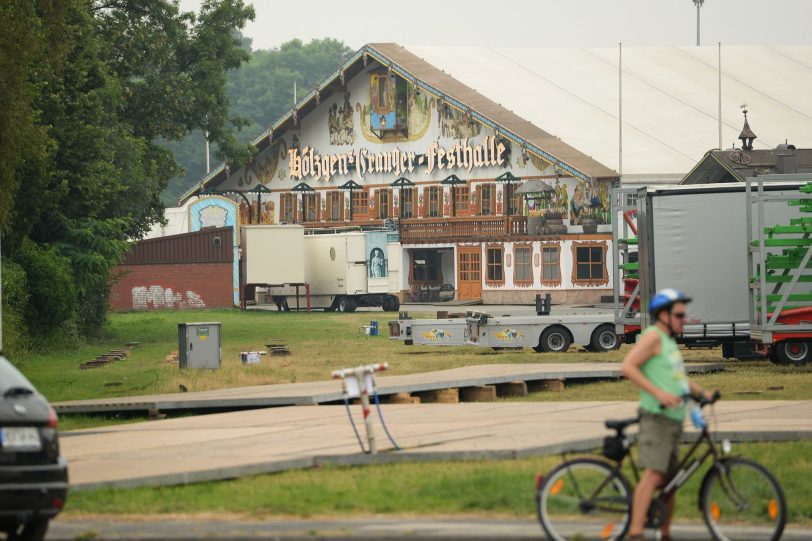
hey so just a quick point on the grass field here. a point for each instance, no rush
(322, 342)
(482, 488)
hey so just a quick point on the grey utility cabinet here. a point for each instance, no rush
(199, 345)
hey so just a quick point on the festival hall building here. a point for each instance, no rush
(481, 200)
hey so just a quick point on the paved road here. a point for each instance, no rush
(381, 529)
(261, 441)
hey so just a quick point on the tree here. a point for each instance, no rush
(261, 91)
(87, 167)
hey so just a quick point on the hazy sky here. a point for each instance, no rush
(530, 23)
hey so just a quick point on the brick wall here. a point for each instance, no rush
(178, 286)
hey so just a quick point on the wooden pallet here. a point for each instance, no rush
(105, 359)
(277, 347)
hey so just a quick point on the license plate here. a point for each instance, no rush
(23, 438)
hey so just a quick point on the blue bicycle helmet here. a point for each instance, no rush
(664, 298)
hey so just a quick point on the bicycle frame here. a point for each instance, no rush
(687, 467)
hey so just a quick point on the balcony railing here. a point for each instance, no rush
(482, 227)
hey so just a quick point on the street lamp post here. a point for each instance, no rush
(698, 4)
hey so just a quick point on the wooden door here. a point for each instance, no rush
(469, 272)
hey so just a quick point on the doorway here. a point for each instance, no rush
(469, 272)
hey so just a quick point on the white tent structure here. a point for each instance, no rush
(670, 98)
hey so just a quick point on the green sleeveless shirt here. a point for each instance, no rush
(667, 372)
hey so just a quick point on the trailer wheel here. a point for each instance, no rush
(604, 339)
(390, 304)
(555, 340)
(346, 304)
(792, 352)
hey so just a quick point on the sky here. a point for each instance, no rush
(529, 23)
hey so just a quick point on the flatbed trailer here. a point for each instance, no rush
(543, 333)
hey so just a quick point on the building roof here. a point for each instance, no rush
(499, 115)
(736, 165)
(670, 98)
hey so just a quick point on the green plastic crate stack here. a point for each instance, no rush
(632, 270)
(795, 241)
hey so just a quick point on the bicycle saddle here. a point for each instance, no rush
(621, 424)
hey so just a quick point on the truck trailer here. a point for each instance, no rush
(292, 267)
(706, 240)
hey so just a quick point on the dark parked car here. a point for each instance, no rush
(33, 476)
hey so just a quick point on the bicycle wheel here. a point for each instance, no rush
(584, 500)
(740, 500)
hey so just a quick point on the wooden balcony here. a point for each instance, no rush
(462, 229)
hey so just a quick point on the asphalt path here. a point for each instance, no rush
(382, 529)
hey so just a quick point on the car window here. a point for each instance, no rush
(11, 377)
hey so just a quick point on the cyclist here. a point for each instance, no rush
(655, 365)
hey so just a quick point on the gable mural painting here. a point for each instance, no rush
(340, 124)
(406, 132)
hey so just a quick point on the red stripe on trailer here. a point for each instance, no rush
(780, 337)
(795, 316)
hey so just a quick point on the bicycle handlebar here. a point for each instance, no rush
(702, 401)
(699, 399)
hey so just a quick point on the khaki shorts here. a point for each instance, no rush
(658, 442)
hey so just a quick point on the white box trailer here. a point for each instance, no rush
(331, 271)
(544, 333)
(695, 238)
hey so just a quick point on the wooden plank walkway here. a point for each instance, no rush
(321, 392)
(227, 445)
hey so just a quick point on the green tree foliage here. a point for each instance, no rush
(261, 91)
(51, 294)
(82, 118)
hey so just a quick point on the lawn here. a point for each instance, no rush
(483, 488)
(322, 342)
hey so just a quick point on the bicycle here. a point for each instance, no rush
(590, 498)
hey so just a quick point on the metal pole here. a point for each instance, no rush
(698, 5)
(373, 446)
(208, 163)
(720, 95)
(620, 109)
(259, 207)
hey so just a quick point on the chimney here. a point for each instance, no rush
(785, 159)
